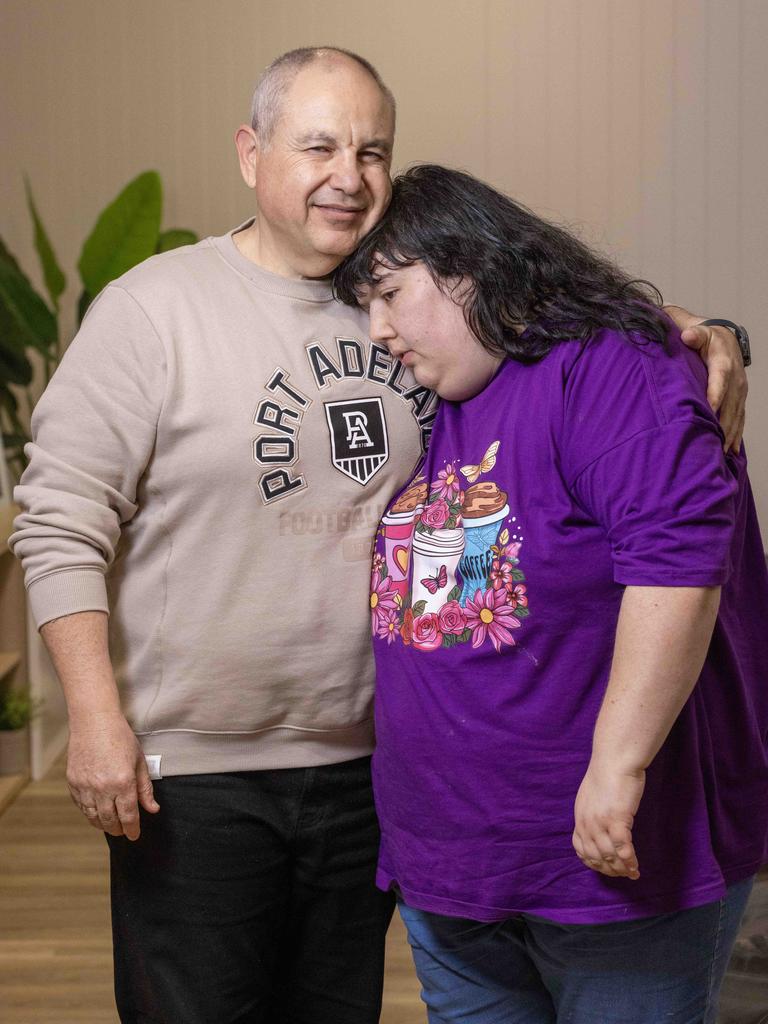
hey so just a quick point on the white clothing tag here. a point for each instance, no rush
(153, 764)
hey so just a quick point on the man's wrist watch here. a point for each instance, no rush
(741, 336)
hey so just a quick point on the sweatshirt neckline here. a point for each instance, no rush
(265, 280)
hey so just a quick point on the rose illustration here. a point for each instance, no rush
(426, 632)
(451, 618)
(435, 516)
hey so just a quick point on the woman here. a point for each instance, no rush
(571, 772)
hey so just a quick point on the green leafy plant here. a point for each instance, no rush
(126, 232)
(17, 709)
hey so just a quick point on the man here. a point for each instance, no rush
(238, 434)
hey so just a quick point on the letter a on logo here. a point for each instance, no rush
(359, 445)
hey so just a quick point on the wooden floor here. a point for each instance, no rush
(55, 960)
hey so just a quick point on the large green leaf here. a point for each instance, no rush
(82, 306)
(125, 234)
(6, 256)
(175, 237)
(14, 441)
(28, 317)
(8, 399)
(11, 336)
(15, 368)
(55, 281)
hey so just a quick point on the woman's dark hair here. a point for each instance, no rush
(520, 270)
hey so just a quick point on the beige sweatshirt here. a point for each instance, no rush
(209, 464)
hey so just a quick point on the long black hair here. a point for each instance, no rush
(516, 269)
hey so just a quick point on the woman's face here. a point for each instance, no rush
(424, 327)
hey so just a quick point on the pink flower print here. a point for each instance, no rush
(511, 551)
(426, 632)
(435, 516)
(488, 615)
(447, 485)
(382, 600)
(518, 597)
(451, 618)
(388, 625)
(501, 575)
(378, 563)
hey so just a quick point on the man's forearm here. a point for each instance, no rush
(106, 770)
(79, 649)
(662, 639)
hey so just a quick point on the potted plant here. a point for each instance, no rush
(125, 233)
(17, 709)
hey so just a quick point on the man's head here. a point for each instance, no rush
(317, 156)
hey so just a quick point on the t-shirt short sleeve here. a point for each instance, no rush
(643, 457)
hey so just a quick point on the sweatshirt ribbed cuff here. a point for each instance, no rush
(67, 592)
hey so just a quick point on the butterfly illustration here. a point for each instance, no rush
(436, 582)
(486, 464)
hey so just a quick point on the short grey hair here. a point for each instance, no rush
(275, 80)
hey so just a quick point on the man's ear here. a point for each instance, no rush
(248, 153)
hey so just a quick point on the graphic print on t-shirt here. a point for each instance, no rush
(445, 569)
(359, 444)
(360, 441)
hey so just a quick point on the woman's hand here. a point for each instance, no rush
(604, 813)
(661, 641)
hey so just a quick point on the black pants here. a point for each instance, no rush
(249, 899)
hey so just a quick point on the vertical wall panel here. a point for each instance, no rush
(689, 158)
(723, 165)
(640, 122)
(752, 240)
(656, 44)
(620, 207)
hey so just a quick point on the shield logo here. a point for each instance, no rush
(359, 445)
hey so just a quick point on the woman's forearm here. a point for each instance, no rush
(662, 638)
(661, 642)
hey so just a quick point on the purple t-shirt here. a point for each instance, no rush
(497, 578)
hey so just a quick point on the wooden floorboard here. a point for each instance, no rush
(10, 787)
(55, 945)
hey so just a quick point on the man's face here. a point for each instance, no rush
(322, 181)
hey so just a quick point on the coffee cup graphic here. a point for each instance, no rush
(435, 558)
(483, 511)
(398, 530)
(397, 527)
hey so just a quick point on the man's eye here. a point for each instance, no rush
(372, 156)
(388, 296)
(319, 149)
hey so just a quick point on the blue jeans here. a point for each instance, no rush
(250, 899)
(527, 970)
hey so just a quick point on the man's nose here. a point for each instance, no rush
(346, 174)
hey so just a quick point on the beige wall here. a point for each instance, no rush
(641, 122)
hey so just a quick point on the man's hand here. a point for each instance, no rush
(107, 774)
(604, 813)
(727, 384)
(106, 771)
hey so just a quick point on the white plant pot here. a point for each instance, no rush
(14, 751)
